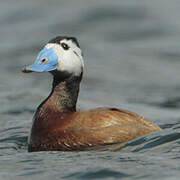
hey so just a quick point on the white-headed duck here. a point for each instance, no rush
(57, 126)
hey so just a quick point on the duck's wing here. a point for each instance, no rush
(109, 125)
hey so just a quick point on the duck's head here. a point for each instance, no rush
(60, 55)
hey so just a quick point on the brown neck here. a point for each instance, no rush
(64, 94)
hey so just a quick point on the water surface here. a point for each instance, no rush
(132, 61)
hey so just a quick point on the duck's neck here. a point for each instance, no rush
(64, 94)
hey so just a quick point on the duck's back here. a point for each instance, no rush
(83, 129)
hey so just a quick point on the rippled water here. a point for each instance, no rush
(132, 58)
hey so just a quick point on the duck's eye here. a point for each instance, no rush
(43, 61)
(65, 46)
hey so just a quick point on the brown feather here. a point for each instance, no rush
(83, 129)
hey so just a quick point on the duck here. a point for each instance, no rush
(57, 125)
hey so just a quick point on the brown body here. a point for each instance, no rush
(83, 129)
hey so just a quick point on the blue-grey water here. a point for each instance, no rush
(132, 61)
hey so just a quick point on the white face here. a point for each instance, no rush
(69, 56)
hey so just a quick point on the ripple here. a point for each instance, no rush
(159, 141)
(13, 138)
(98, 174)
(151, 141)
